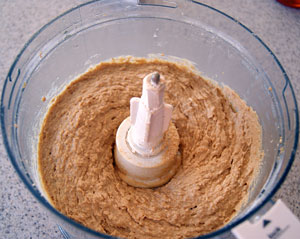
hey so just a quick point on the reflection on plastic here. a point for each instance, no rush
(161, 3)
(64, 233)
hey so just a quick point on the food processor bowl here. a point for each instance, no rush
(222, 48)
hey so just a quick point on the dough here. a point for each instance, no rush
(220, 146)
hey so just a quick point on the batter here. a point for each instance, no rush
(220, 146)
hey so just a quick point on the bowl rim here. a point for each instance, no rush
(46, 204)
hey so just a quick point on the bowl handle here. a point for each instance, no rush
(275, 220)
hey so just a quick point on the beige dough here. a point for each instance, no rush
(220, 146)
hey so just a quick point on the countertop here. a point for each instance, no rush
(278, 26)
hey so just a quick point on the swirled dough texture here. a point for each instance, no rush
(220, 146)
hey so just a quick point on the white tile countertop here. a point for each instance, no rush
(278, 26)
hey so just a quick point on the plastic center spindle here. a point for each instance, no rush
(146, 151)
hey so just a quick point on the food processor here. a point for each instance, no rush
(220, 47)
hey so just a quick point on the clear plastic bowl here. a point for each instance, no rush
(221, 48)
